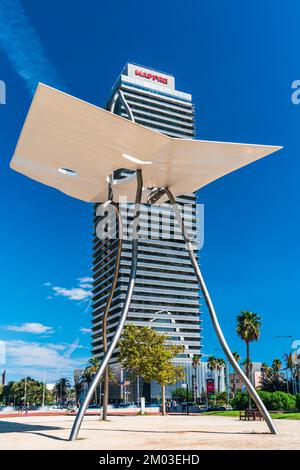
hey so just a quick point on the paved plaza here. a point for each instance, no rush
(146, 433)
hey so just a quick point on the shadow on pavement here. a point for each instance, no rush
(8, 427)
(186, 431)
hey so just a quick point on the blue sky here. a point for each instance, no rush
(238, 59)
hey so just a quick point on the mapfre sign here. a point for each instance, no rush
(151, 76)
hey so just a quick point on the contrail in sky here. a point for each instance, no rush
(23, 47)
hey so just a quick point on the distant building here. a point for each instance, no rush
(128, 390)
(50, 387)
(235, 382)
(166, 295)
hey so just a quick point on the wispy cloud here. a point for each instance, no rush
(85, 282)
(85, 330)
(35, 328)
(82, 292)
(30, 358)
(85, 279)
(23, 47)
(75, 293)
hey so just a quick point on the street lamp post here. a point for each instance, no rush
(44, 386)
(25, 392)
(186, 387)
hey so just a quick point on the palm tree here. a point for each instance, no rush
(248, 329)
(78, 386)
(294, 369)
(276, 365)
(61, 388)
(265, 369)
(93, 366)
(90, 371)
(237, 357)
(212, 363)
(195, 364)
(220, 364)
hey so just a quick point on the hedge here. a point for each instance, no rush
(274, 401)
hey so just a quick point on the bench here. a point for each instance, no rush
(247, 414)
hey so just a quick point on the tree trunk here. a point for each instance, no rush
(163, 400)
(248, 371)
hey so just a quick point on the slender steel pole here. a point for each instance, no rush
(119, 330)
(44, 386)
(214, 318)
(107, 307)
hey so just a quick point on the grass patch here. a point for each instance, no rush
(222, 413)
(285, 415)
(237, 414)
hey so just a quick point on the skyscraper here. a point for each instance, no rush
(166, 295)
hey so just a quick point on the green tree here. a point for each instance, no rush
(181, 394)
(212, 363)
(236, 356)
(148, 354)
(6, 392)
(271, 379)
(27, 390)
(61, 388)
(89, 372)
(276, 365)
(87, 376)
(248, 329)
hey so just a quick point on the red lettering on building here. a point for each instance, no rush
(155, 78)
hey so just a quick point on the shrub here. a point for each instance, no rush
(298, 401)
(239, 401)
(273, 401)
(220, 397)
(276, 401)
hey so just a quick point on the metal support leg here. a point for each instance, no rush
(251, 390)
(108, 305)
(119, 330)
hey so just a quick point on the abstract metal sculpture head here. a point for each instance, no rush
(64, 137)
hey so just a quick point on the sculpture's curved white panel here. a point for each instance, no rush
(63, 133)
